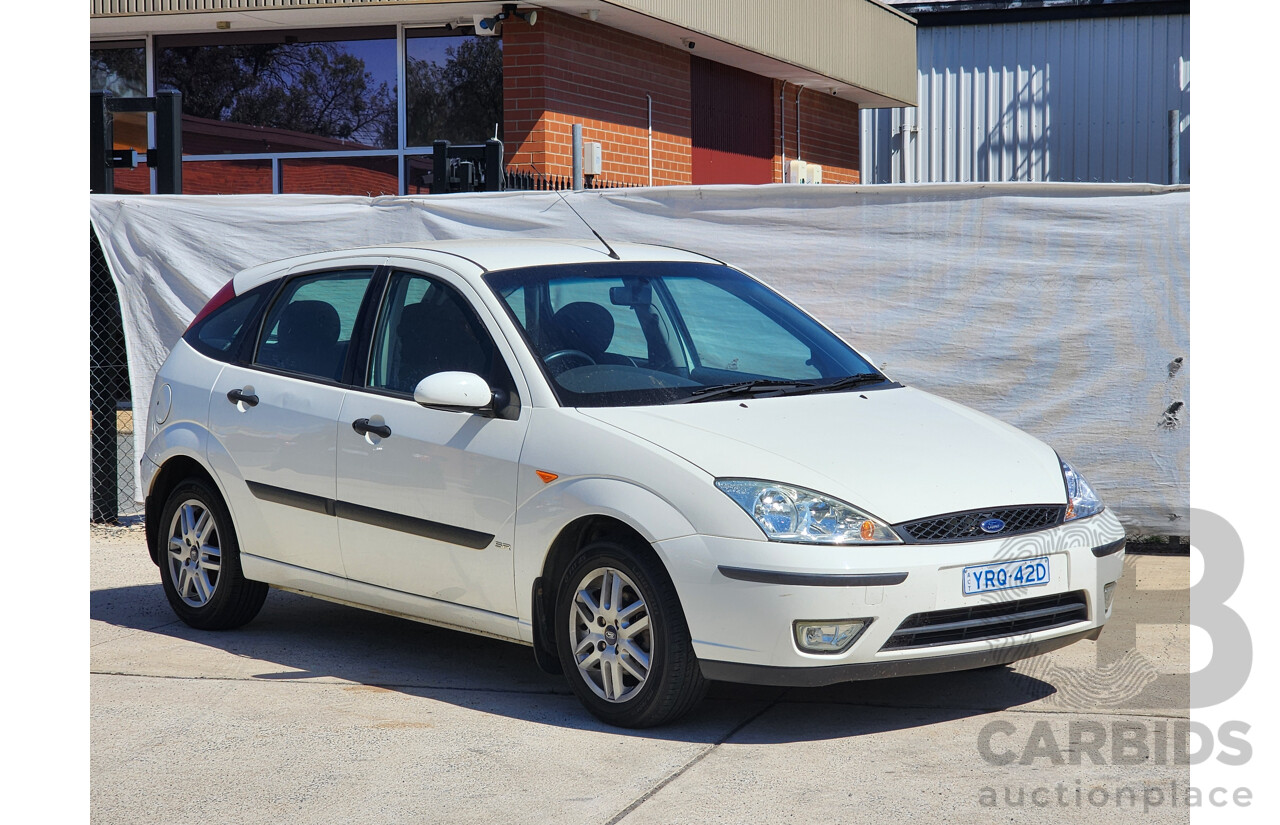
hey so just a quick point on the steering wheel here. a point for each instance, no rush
(561, 355)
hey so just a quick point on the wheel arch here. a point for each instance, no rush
(172, 473)
(575, 535)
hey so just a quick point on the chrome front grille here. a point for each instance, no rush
(992, 620)
(967, 526)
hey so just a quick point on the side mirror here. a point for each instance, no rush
(454, 390)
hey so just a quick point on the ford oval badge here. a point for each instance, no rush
(992, 525)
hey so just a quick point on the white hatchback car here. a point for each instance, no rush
(643, 463)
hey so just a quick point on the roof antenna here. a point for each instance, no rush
(612, 254)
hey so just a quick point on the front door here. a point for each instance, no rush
(426, 497)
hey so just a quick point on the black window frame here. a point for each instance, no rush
(248, 330)
(355, 371)
(500, 369)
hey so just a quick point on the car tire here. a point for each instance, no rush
(622, 638)
(200, 560)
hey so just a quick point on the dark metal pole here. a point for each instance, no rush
(100, 144)
(493, 165)
(440, 167)
(577, 157)
(168, 160)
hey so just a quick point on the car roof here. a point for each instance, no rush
(484, 254)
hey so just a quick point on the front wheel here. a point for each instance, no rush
(200, 561)
(622, 638)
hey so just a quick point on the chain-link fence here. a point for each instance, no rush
(111, 454)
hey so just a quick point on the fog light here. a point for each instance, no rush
(1108, 593)
(829, 637)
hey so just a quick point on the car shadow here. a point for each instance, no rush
(296, 638)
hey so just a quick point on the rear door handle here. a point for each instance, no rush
(362, 426)
(241, 397)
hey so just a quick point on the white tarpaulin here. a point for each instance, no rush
(1059, 308)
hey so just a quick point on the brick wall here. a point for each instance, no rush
(562, 71)
(828, 133)
(226, 177)
(340, 176)
(568, 70)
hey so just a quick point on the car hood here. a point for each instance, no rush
(900, 454)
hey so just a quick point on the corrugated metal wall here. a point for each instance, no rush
(1059, 100)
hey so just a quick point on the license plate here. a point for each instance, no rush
(983, 578)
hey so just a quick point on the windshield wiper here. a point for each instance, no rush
(848, 382)
(768, 385)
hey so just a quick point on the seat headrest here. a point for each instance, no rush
(585, 326)
(310, 321)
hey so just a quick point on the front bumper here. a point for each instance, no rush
(741, 598)
(856, 671)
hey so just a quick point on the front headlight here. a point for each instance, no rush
(794, 514)
(1082, 501)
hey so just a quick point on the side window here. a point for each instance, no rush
(308, 329)
(517, 298)
(426, 327)
(218, 333)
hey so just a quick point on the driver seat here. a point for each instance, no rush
(588, 327)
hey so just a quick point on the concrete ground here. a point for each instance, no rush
(318, 713)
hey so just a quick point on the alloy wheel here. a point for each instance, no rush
(194, 553)
(612, 638)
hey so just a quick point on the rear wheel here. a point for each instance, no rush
(622, 638)
(200, 561)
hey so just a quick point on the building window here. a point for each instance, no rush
(252, 102)
(266, 92)
(119, 67)
(454, 87)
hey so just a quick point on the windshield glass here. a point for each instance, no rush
(635, 333)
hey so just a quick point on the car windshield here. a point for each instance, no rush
(616, 334)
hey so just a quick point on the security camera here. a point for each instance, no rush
(687, 42)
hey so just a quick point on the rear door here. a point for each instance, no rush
(427, 505)
(274, 419)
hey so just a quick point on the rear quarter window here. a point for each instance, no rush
(219, 334)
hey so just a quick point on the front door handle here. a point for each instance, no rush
(362, 426)
(241, 397)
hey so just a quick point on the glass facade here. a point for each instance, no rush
(314, 111)
(454, 87)
(119, 67)
(338, 86)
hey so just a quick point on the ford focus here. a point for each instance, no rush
(642, 463)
